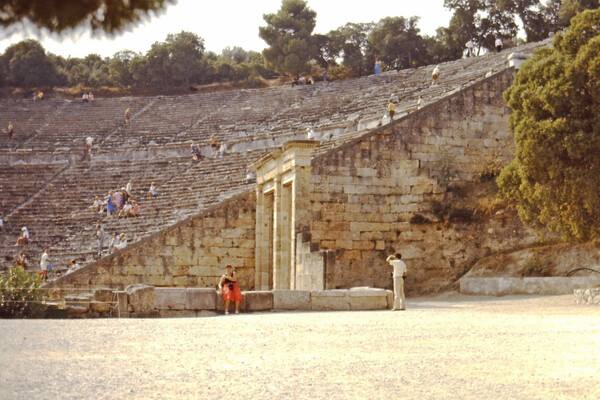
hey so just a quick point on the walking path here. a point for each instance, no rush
(445, 347)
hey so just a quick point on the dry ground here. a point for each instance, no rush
(444, 347)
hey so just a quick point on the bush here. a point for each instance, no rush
(20, 294)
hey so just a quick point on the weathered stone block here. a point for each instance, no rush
(170, 298)
(200, 299)
(390, 299)
(291, 299)
(368, 299)
(99, 306)
(104, 294)
(257, 300)
(329, 300)
(141, 298)
(177, 313)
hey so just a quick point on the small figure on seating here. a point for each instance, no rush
(391, 108)
(97, 205)
(113, 243)
(196, 155)
(309, 80)
(470, 51)
(21, 260)
(73, 266)
(24, 238)
(214, 144)
(100, 235)
(135, 209)
(110, 203)
(85, 98)
(325, 75)
(126, 210)
(295, 81)
(152, 191)
(35, 97)
(127, 115)
(1, 224)
(122, 242)
(490, 73)
(91, 97)
(250, 176)
(377, 67)
(129, 188)
(117, 198)
(41, 95)
(230, 290)
(11, 130)
(420, 103)
(222, 150)
(435, 76)
(498, 45)
(310, 134)
(45, 264)
(89, 142)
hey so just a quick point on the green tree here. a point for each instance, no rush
(20, 294)
(350, 43)
(185, 56)
(556, 120)
(396, 41)
(289, 36)
(27, 65)
(58, 16)
(119, 68)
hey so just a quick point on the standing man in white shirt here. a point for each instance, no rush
(498, 44)
(45, 264)
(395, 260)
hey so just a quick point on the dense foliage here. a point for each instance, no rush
(20, 294)
(555, 176)
(350, 50)
(57, 16)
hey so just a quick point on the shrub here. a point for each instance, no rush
(20, 294)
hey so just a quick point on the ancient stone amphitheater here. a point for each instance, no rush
(322, 213)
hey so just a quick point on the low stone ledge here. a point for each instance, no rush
(257, 301)
(587, 296)
(170, 298)
(200, 299)
(368, 299)
(330, 300)
(543, 286)
(142, 298)
(291, 299)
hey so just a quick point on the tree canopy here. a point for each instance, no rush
(58, 16)
(555, 176)
(289, 36)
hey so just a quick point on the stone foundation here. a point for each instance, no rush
(587, 296)
(508, 286)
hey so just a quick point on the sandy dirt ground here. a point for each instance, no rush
(444, 347)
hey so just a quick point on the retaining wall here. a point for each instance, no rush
(543, 286)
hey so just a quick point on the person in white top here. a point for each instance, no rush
(45, 264)
(89, 142)
(399, 275)
(122, 242)
(1, 224)
(24, 238)
(469, 46)
(435, 76)
(498, 45)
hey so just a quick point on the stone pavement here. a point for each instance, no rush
(445, 347)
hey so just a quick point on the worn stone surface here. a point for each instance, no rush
(177, 313)
(506, 286)
(325, 300)
(587, 296)
(291, 299)
(99, 306)
(261, 300)
(200, 299)
(170, 298)
(141, 297)
(368, 299)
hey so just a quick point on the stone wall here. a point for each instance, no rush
(365, 193)
(538, 285)
(192, 253)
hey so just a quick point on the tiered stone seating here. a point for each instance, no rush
(251, 121)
